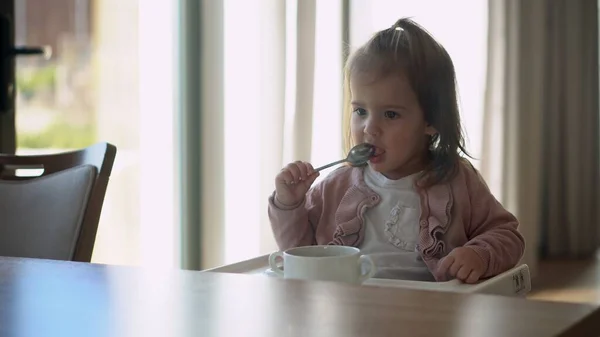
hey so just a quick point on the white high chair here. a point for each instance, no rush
(515, 282)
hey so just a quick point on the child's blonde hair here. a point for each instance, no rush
(409, 49)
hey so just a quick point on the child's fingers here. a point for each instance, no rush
(312, 177)
(473, 277)
(303, 169)
(463, 272)
(309, 169)
(294, 171)
(445, 265)
(283, 176)
(455, 267)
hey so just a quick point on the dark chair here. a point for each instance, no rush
(55, 214)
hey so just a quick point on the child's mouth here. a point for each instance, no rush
(378, 151)
(377, 155)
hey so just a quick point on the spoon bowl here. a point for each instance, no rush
(359, 155)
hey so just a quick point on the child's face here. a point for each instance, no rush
(387, 114)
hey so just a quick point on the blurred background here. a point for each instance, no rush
(207, 100)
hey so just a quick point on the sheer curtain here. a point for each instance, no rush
(254, 61)
(282, 63)
(543, 121)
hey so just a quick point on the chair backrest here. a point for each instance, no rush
(54, 215)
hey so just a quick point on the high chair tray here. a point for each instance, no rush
(514, 282)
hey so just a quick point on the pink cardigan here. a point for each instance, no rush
(462, 212)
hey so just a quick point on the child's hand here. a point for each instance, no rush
(462, 263)
(292, 183)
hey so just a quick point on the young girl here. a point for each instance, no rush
(418, 209)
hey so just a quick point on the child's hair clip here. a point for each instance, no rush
(398, 28)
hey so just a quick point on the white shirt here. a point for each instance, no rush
(392, 228)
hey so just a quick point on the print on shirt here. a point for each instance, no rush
(402, 227)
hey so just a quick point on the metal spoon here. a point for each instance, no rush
(358, 155)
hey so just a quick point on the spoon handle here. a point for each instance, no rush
(330, 165)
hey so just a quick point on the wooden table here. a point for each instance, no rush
(52, 298)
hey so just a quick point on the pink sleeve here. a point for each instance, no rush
(295, 226)
(493, 231)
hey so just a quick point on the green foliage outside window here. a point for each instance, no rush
(35, 84)
(59, 134)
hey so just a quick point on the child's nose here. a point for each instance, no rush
(372, 129)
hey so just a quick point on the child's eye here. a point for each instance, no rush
(360, 111)
(391, 114)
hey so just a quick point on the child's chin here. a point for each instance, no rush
(378, 167)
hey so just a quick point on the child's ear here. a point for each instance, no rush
(430, 130)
